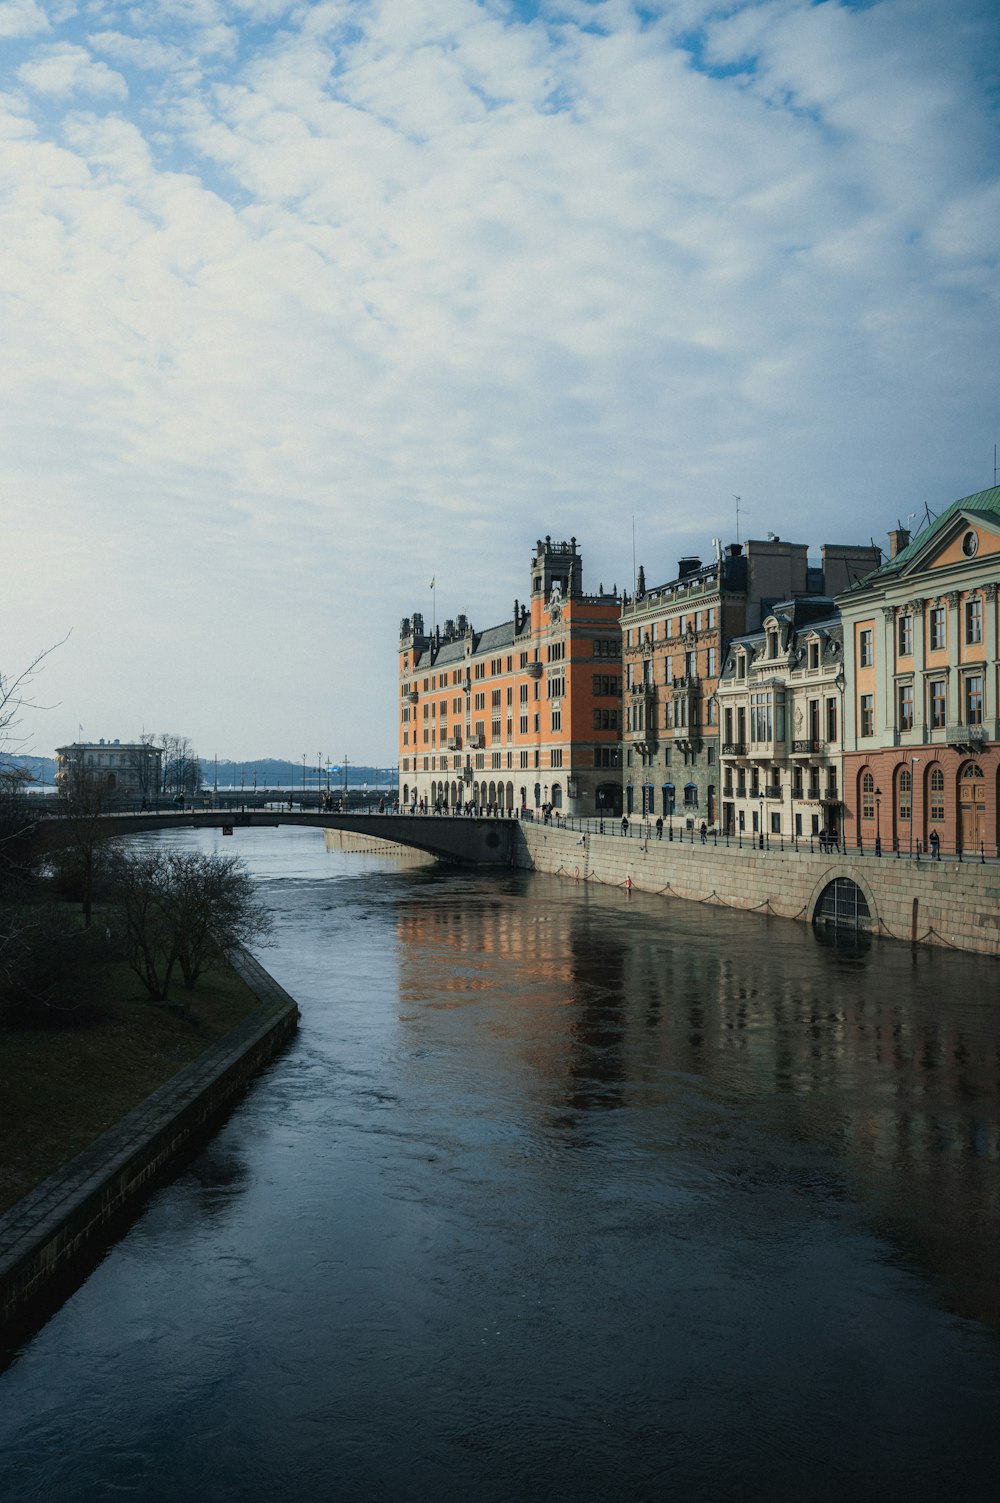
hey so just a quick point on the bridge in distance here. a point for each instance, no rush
(464, 841)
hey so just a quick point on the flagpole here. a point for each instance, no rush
(434, 606)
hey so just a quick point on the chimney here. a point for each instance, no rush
(898, 540)
(689, 565)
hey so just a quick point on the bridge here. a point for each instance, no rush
(460, 840)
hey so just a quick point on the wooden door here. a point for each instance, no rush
(972, 803)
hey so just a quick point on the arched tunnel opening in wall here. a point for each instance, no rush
(842, 906)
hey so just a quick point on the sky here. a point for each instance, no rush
(303, 305)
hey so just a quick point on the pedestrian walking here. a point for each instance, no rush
(659, 828)
(704, 832)
(624, 824)
(934, 841)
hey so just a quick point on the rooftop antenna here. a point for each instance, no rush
(994, 466)
(634, 576)
(737, 499)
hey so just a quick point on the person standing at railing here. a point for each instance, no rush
(934, 841)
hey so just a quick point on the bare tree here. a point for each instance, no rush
(182, 910)
(181, 765)
(142, 764)
(87, 799)
(14, 700)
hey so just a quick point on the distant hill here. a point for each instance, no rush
(271, 772)
(275, 772)
(41, 769)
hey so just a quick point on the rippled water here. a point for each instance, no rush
(558, 1195)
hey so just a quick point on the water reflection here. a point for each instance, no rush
(852, 1048)
(558, 1195)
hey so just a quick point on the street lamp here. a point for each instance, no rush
(878, 821)
(760, 831)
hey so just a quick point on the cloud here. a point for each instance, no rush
(22, 18)
(343, 295)
(64, 69)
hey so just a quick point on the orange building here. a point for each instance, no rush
(522, 715)
(922, 715)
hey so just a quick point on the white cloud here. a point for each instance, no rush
(63, 69)
(22, 18)
(393, 288)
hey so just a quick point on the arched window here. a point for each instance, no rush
(904, 794)
(867, 795)
(556, 796)
(935, 809)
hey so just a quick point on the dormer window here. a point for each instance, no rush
(813, 654)
(741, 665)
(772, 644)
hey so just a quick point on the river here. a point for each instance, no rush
(560, 1194)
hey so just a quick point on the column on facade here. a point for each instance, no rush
(919, 608)
(885, 680)
(954, 658)
(990, 707)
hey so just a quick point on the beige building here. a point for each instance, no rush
(922, 638)
(675, 640)
(120, 769)
(781, 716)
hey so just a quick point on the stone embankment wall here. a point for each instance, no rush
(955, 904)
(347, 840)
(43, 1235)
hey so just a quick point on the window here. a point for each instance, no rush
(904, 630)
(974, 620)
(557, 720)
(605, 720)
(555, 759)
(690, 795)
(813, 654)
(866, 714)
(606, 685)
(904, 707)
(974, 699)
(831, 720)
(938, 703)
(866, 647)
(867, 796)
(938, 628)
(905, 794)
(524, 759)
(712, 664)
(775, 824)
(936, 809)
(522, 725)
(767, 717)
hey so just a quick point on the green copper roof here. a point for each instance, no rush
(984, 503)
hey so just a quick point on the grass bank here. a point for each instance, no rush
(60, 1088)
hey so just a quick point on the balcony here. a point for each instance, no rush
(534, 670)
(454, 743)
(412, 695)
(808, 747)
(734, 748)
(772, 790)
(967, 735)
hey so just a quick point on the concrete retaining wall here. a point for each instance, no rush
(43, 1235)
(957, 904)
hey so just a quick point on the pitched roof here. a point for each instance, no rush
(984, 504)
